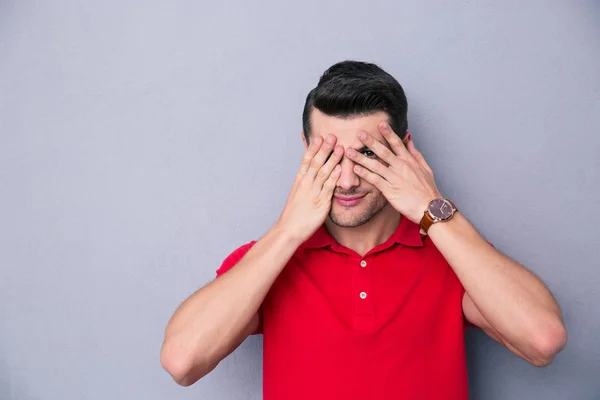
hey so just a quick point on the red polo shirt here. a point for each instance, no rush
(388, 325)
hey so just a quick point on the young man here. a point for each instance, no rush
(365, 284)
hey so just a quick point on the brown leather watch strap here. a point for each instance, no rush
(428, 220)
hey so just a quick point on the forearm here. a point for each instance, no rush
(215, 319)
(501, 294)
(517, 304)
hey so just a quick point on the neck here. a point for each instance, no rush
(363, 238)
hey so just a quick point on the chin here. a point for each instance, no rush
(355, 216)
(349, 219)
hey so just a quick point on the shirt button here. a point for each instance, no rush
(363, 295)
(363, 263)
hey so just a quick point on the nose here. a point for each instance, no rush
(348, 179)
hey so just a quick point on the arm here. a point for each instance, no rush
(216, 319)
(502, 297)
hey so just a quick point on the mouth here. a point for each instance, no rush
(348, 201)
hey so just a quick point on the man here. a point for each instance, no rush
(365, 284)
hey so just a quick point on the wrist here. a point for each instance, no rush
(287, 234)
(439, 211)
(435, 229)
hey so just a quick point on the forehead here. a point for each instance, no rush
(346, 129)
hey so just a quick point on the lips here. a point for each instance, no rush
(349, 198)
(348, 201)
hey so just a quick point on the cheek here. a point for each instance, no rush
(366, 186)
(375, 194)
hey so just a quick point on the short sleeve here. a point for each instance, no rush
(234, 258)
(230, 262)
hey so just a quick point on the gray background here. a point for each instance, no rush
(142, 141)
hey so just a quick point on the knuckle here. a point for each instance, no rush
(322, 174)
(325, 148)
(302, 181)
(398, 166)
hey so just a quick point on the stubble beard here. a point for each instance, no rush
(347, 219)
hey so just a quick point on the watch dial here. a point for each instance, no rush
(440, 208)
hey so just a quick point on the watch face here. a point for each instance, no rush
(440, 208)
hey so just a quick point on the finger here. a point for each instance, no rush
(374, 179)
(378, 148)
(319, 159)
(373, 165)
(393, 139)
(418, 156)
(330, 183)
(309, 154)
(325, 170)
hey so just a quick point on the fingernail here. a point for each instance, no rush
(362, 135)
(330, 139)
(351, 153)
(357, 168)
(338, 150)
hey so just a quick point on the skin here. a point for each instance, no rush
(373, 220)
(502, 297)
(217, 318)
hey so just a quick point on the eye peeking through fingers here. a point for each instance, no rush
(365, 151)
(368, 153)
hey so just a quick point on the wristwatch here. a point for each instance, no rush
(438, 210)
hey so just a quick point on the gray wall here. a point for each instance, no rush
(141, 142)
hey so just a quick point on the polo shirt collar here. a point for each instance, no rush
(407, 233)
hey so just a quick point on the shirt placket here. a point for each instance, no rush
(364, 316)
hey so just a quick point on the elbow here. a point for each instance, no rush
(177, 365)
(180, 365)
(548, 344)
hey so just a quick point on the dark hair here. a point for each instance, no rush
(354, 88)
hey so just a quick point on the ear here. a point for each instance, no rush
(407, 138)
(304, 140)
